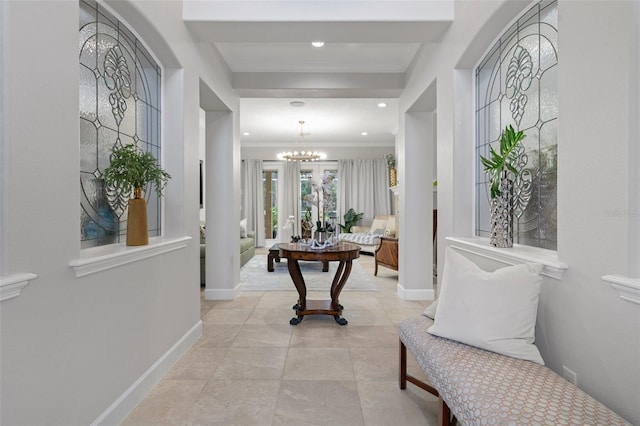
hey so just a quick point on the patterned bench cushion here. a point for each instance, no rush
(485, 388)
(363, 238)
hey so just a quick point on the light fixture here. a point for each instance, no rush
(317, 43)
(246, 134)
(364, 133)
(382, 105)
(304, 155)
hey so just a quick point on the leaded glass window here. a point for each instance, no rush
(516, 84)
(119, 105)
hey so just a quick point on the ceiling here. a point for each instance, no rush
(370, 48)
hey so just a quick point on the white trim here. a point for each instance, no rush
(417, 294)
(628, 288)
(222, 293)
(114, 255)
(11, 286)
(516, 255)
(125, 403)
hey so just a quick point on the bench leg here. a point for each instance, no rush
(403, 366)
(404, 377)
(445, 413)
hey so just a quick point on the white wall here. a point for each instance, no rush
(202, 155)
(582, 323)
(71, 346)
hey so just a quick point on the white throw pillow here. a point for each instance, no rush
(377, 224)
(431, 310)
(243, 228)
(378, 232)
(495, 311)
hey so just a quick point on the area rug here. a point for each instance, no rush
(254, 276)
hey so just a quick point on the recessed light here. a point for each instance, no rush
(297, 104)
(364, 133)
(246, 134)
(382, 105)
(317, 43)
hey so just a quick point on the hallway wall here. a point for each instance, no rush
(582, 322)
(70, 346)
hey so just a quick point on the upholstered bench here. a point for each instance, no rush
(479, 387)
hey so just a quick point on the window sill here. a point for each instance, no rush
(99, 259)
(628, 288)
(516, 255)
(11, 286)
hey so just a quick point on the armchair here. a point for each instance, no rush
(386, 254)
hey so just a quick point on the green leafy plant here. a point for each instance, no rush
(390, 159)
(498, 162)
(350, 219)
(131, 169)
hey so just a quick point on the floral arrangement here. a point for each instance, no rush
(327, 203)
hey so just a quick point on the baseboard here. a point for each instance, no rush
(121, 407)
(417, 294)
(222, 293)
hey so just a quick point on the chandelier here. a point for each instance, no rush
(305, 154)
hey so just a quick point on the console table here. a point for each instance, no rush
(274, 255)
(341, 252)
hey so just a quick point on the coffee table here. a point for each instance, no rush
(274, 255)
(342, 252)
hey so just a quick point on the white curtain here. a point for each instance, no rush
(289, 201)
(363, 185)
(253, 198)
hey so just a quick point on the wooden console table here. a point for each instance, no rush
(274, 255)
(342, 252)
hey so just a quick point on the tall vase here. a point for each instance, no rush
(393, 177)
(137, 229)
(502, 215)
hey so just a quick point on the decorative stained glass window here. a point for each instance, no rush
(119, 105)
(516, 84)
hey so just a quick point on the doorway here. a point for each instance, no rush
(270, 191)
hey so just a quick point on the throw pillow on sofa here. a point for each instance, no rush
(243, 228)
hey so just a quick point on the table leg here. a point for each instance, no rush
(270, 262)
(339, 280)
(298, 281)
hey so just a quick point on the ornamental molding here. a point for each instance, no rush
(628, 288)
(11, 286)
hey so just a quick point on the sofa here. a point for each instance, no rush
(247, 247)
(247, 251)
(368, 237)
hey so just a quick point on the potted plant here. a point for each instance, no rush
(501, 170)
(350, 219)
(391, 164)
(129, 172)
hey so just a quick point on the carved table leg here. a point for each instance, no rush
(298, 281)
(339, 280)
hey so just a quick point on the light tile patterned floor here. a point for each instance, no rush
(252, 368)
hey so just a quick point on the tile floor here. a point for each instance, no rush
(252, 368)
